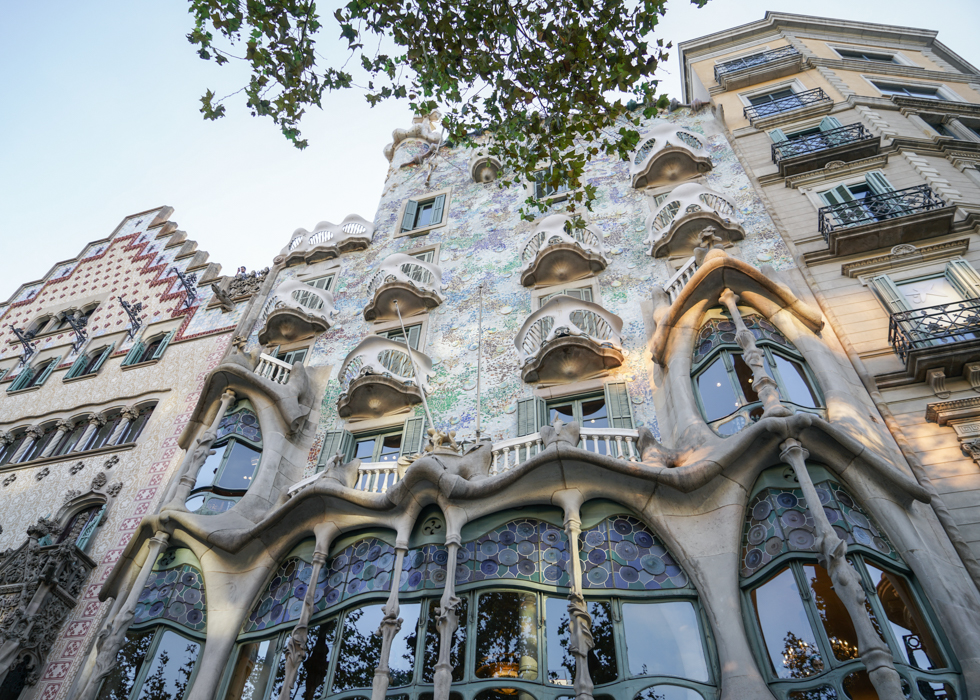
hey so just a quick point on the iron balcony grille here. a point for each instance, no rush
(815, 143)
(878, 207)
(945, 324)
(758, 59)
(800, 99)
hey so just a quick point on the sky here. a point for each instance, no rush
(99, 119)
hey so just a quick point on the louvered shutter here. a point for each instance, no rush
(838, 195)
(889, 294)
(20, 381)
(414, 333)
(408, 221)
(47, 371)
(103, 357)
(878, 183)
(777, 136)
(86, 534)
(333, 442)
(531, 415)
(618, 406)
(163, 345)
(964, 278)
(438, 205)
(828, 123)
(77, 366)
(412, 435)
(132, 357)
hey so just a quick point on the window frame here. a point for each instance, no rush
(538, 182)
(401, 231)
(227, 443)
(794, 85)
(943, 91)
(379, 436)
(159, 631)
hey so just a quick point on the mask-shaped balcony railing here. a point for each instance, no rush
(877, 208)
(943, 325)
(295, 311)
(668, 154)
(801, 99)
(328, 240)
(754, 61)
(377, 378)
(273, 369)
(413, 283)
(560, 252)
(568, 339)
(674, 227)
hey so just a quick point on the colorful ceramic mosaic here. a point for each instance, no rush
(173, 592)
(242, 422)
(620, 552)
(282, 600)
(778, 521)
(522, 550)
(721, 331)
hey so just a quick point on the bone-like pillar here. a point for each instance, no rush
(874, 653)
(764, 385)
(196, 457)
(391, 624)
(296, 644)
(579, 620)
(447, 620)
(61, 429)
(113, 633)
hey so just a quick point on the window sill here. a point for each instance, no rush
(137, 365)
(24, 391)
(71, 456)
(422, 230)
(78, 379)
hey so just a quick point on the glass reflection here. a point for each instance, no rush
(717, 395)
(823, 692)
(171, 669)
(743, 374)
(507, 636)
(917, 645)
(785, 627)
(313, 671)
(360, 649)
(457, 653)
(664, 639)
(206, 474)
(858, 686)
(602, 657)
(594, 414)
(836, 621)
(668, 692)
(252, 670)
(796, 385)
(504, 694)
(119, 683)
(401, 661)
(239, 468)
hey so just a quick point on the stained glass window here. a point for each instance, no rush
(620, 552)
(174, 592)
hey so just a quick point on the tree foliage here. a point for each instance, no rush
(551, 82)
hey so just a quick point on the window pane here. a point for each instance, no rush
(119, 683)
(602, 657)
(716, 391)
(507, 636)
(785, 628)
(136, 427)
(424, 215)
(796, 386)
(71, 439)
(561, 663)
(360, 649)
(909, 626)
(401, 661)
(104, 433)
(668, 692)
(594, 414)
(566, 412)
(457, 654)
(743, 374)
(504, 694)
(390, 447)
(664, 639)
(313, 671)
(208, 470)
(836, 621)
(240, 467)
(364, 449)
(252, 669)
(171, 669)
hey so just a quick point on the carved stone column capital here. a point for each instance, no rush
(791, 450)
(6, 437)
(34, 431)
(130, 413)
(64, 426)
(96, 419)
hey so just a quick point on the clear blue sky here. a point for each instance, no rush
(99, 120)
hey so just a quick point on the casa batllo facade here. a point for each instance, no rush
(102, 361)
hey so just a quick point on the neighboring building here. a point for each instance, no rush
(92, 398)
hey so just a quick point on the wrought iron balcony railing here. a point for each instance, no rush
(759, 59)
(785, 104)
(878, 207)
(945, 324)
(815, 143)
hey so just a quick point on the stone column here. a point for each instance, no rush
(391, 624)
(113, 634)
(447, 620)
(961, 129)
(195, 457)
(580, 641)
(62, 428)
(5, 439)
(128, 415)
(764, 385)
(874, 653)
(32, 435)
(95, 421)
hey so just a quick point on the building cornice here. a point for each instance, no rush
(913, 72)
(836, 169)
(904, 255)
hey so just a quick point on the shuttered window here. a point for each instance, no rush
(425, 213)
(532, 414)
(333, 442)
(412, 435)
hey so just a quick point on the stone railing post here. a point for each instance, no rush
(95, 421)
(874, 653)
(33, 433)
(391, 624)
(61, 429)
(128, 415)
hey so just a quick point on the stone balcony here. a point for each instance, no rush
(669, 153)
(936, 343)
(559, 252)
(758, 68)
(377, 379)
(416, 286)
(327, 241)
(568, 340)
(295, 311)
(675, 227)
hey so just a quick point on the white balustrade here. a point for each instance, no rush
(272, 369)
(377, 355)
(615, 442)
(676, 283)
(567, 316)
(424, 276)
(557, 229)
(376, 477)
(353, 233)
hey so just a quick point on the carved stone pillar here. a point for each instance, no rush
(447, 620)
(32, 435)
(62, 428)
(580, 641)
(296, 644)
(196, 456)
(95, 421)
(113, 634)
(129, 414)
(391, 624)
(874, 653)
(764, 385)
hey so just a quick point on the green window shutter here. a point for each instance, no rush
(878, 183)
(408, 221)
(412, 435)
(838, 195)
(964, 278)
(828, 123)
(777, 135)
(618, 405)
(889, 294)
(532, 414)
(102, 358)
(85, 536)
(333, 442)
(163, 345)
(414, 333)
(132, 357)
(77, 366)
(438, 205)
(48, 370)
(20, 381)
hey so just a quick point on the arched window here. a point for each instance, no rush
(806, 638)
(38, 326)
(147, 350)
(37, 446)
(513, 636)
(135, 427)
(723, 380)
(71, 438)
(226, 475)
(8, 451)
(100, 437)
(81, 527)
(166, 638)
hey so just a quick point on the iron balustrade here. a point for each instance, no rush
(752, 61)
(944, 324)
(785, 104)
(878, 207)
(815, 143)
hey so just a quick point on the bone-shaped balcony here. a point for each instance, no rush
(560, 252)
(295, 311)
(413, 283)
(669, 154)
(568, 340)
(327, 241)
(377, 378)
(675, 227)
